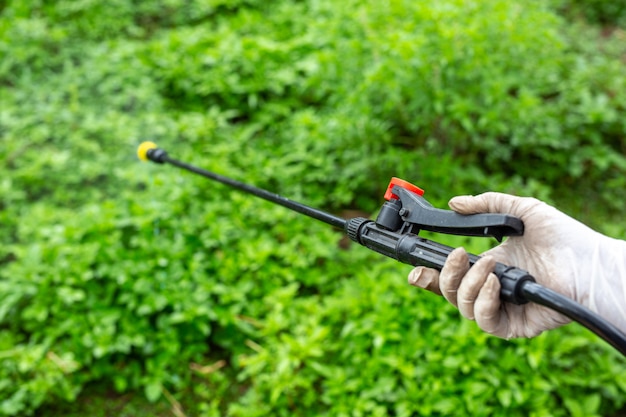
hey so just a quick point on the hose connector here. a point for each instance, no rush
(353, 228)
(512, 280)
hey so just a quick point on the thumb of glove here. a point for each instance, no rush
(492, 202)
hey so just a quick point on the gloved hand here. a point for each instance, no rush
(560, 252)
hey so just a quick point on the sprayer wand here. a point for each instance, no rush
(395, 231)
(149, 151)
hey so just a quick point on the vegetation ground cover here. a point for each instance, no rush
(126, 281)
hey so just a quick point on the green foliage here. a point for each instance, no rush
(406, 359)
(603, 12)
(141, 277)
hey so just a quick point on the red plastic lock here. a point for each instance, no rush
(404, 184)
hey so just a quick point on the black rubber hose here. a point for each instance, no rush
(577, 312)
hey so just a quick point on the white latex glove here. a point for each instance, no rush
(560, 252)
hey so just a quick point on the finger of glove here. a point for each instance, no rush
(426, 278)
(471, 285)
(452, 273)
(492, 202)
(500, 253)
(489, 315)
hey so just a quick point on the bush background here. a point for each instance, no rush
(161, 293)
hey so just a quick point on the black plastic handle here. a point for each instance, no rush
(416, 210)
(414, 250)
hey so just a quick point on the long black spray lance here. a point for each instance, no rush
(395, 231)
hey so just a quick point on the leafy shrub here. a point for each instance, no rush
(141, 276)
(603, 12)
(467, 84)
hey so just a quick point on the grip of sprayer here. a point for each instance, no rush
(416, 251)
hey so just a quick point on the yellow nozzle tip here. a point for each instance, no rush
(142, 150)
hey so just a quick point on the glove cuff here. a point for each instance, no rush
(607, 283)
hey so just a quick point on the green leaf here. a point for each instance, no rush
(153, 390)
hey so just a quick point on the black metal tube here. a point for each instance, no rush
(323, 216)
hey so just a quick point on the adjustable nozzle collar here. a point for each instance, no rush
(150, 151)
(157, 155)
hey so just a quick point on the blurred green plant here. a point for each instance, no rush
(140, 277)
(601, 12)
